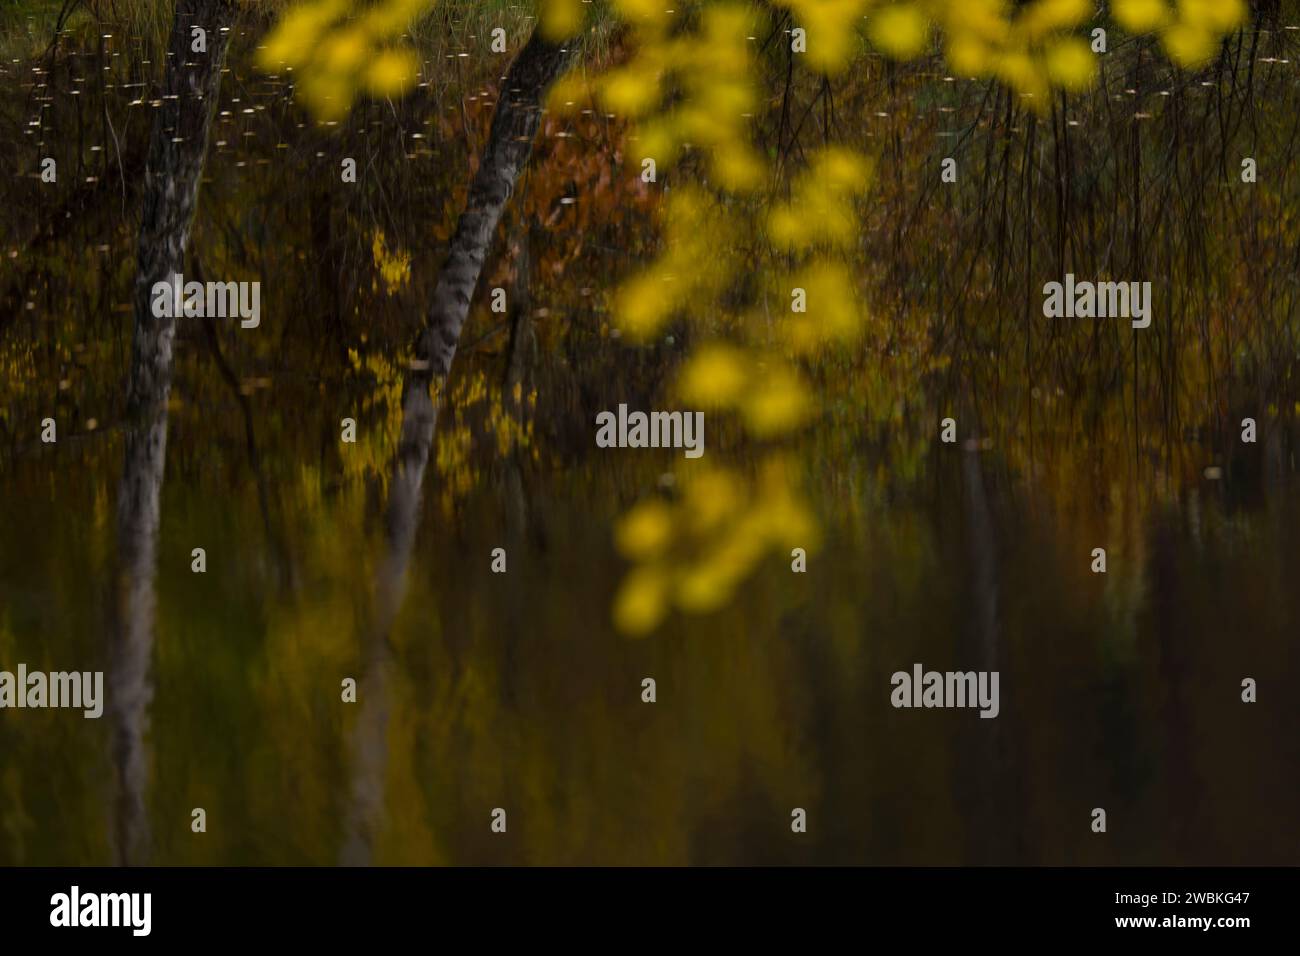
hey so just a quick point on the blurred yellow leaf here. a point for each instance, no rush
(901, 32)
(714, 376)
(644, 531)
(1189, 45)
(1140, 16)
(560, 19)
(642, 601)
(780, 405)
(391, 73)
(1071, 65)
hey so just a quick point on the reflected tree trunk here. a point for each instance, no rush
(521, 355)
(177, 148)
(983, 770)
(510, 143)
(1174, 657)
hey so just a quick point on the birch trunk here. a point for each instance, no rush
(510, 143)
(177, 148)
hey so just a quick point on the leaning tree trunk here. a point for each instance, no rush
(514, 124)
(510, 142)
(177, 147)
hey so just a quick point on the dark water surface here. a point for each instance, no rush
(479, 690)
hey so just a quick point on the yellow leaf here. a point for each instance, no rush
(1220, 16)
(643, 9)
(391, 73)
(702, 589)
(645, 531)
(832, 315)
(1189, 45)
(630, 92)
(710, 497)
(900, 31)
(968, 56)
(1045, 17)
(1140, 16)
(1071, 65)
(714, 377)
(343, 51)
(643, 305)
(560, 19)
(642, 601)
(779, 405)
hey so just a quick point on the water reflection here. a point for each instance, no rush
(177, 150)
(514, 126)
(371, 561)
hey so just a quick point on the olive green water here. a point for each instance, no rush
(1119, 691)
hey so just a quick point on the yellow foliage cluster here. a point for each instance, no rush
(767, 392)
(19, 372)
(704, 74)
(479, 410)
(820, 219)
(711, 71)
(698, 231)
(820, 210)
(1034, 50)
(692, 553)
(1190, 30)
(381, 410)
(832, 316)
(394, 265)
(340, 48)
(1032, 47)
